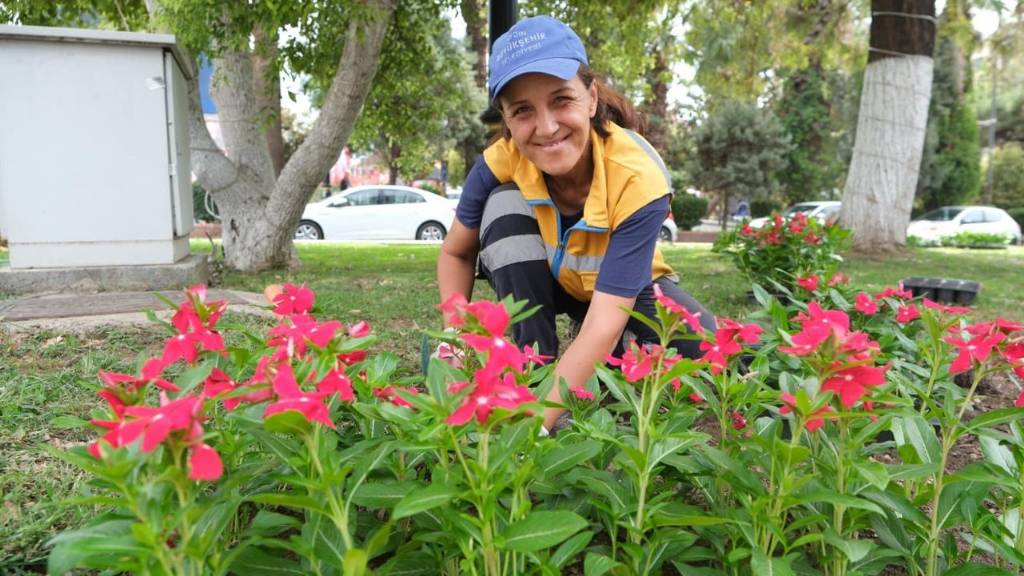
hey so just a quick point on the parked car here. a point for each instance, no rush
(668, 230)
(825, 211)
(951, 220)
(377, 212)
(453, 194)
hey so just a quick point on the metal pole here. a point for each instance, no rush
(501, 16)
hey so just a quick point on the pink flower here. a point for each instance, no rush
(816, 329)
(532, 357)
(492, 316)
(691, 320)
(581, 392)
(838, 278)
(815, 421)
(746, 230)
(730, 329)
(635, 363)
(895, 292)
(293, 300)
(360, 329)
(865, 305)
(204, 463)
(490, 392)
(336, 382)
(907, 313)
(718, 353)
(186, 346)
(851, 384)
(812, 238)
(739, 421)
(977, 349)
(158, 423)
(218, 383)
(809, 283)
(454, 309)
(390, 394)
(958, 310)
(291, 397)
(500, 352)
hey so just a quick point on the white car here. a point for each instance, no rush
(668, 230)
(825, 211)
(951, 220)
(377, 212)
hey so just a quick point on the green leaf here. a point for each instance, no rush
(597, 565)
(68, 422)
(570, 548)
(670, 445)
(998, 455)
(995, 418)
(834, 498)
(260, 562)
(382, 494)
(287, 422)
(192, 377)
(854, 550)
(410, 564)
(267, 523)
(921, 436)
(542, 529)
(973, 569)
(355, 563)
(289, 501)
(873, 472)
(564, 457)
(762, 565)
(424, 499)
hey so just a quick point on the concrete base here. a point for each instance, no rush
(193, 269)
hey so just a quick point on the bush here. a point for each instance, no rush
(688, 209)
(781, 252)
(1008, 176)
(762, 207)
(1017, 214)
(199, 211)
(977, 240)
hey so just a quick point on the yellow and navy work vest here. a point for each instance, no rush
(628, 175)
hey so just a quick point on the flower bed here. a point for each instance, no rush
(303, 452)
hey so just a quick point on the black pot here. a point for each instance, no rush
(944, 290)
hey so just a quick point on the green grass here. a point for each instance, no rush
(45, 376)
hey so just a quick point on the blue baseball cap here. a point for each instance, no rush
(538, 44)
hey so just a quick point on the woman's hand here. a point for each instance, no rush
(272, 291)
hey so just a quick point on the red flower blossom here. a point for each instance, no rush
(718, 353)
(581, 392)
(390, 394)
(635, 363)
(746, 230)
(773, 238)
(977, 349)
(500, 352)
(691, 320)
(492, 316)
(1020, 400)
(865, 305)
(360, 329)
(838, 278)
(454, 309)
(490, 392)
(816, 329)
(218, 383)
(907, 313)
(186, 346)
(157, 424)
(958, 310)
(812, 238)
(851, 384)
(336, 382)
(815, 421)
(809, 283)
(291, 397)
(895, 292)
(293, 300)
(739, 421)
(350, 358)
(532, 357)
(204, 463)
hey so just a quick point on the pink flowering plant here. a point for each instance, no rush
(782, 252)
(812, 437)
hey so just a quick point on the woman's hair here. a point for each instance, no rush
(611, 105)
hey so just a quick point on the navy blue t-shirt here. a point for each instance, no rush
(626, 268)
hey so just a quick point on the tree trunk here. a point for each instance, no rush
(393, 153)
(473, 14)
(657, 107)
(891, 124)
(267, 86)
(259, 214)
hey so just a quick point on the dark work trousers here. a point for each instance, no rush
(514, 260)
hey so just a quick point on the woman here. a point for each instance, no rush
(564, 209)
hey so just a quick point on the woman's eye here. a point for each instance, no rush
(520, 110)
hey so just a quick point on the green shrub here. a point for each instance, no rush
(1017, 214)
(976, 240)
(763, 207)
(1008, 176)
(782, 251)
(688, 209)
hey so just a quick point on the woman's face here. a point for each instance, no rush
(549, 119)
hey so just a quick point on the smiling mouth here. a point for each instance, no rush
(554, 144)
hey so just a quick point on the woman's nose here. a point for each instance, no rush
(547, 124)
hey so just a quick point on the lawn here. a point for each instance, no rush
(47, 380)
